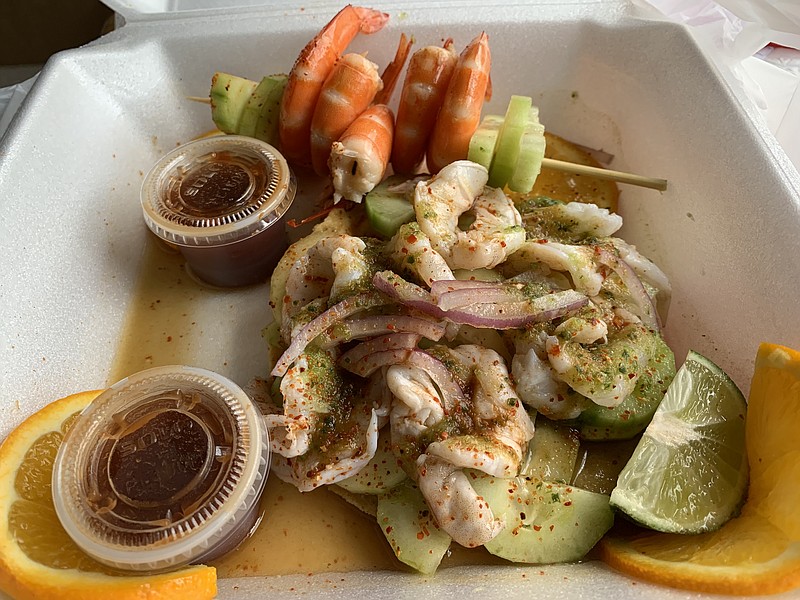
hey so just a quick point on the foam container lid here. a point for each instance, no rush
(71, 235)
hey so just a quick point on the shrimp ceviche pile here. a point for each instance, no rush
(434, 375)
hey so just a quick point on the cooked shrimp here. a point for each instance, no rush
(496, 231)
(310, 71)
(359, 159)
(341, 453)
(495, 445)
(579, 261)
(412, 252)
(305, 402)
(538, 388)
(348, 90)
(569, 223)
(460, 113)
(331, 269)
(456, 506)
(424, 88)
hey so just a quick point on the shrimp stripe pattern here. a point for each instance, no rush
(310, 71)
(460, 114)
(359, 159)
(424, 89)
(348, 90)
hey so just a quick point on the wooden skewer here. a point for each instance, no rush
(568, 167)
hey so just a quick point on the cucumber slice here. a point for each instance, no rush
(260, 115)
(410, 529)
(387, 210)
(552, 453)
(380, 474)
(633, 414)
(531, 153)
(506, 153)
(545, 522)
(600, 463)
(229, 96)
(483, 141)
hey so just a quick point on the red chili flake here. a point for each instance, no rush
(389, 529)
(420, 535)
(411, 239)
(568, 503)
(537, 527)
(552, 527)
(631, 375)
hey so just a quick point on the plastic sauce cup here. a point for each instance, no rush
(222, 200)
(163, 469)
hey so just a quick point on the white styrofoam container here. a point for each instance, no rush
(71, 233)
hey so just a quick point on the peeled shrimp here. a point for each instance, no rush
(458, 188)
(538, 388)
(348, 90)
(424, 88)
(330, 269)
(494, 444)
(460, 113)
(579, 261)
(412, 252)
(303, 406)
(359, 159)
(310, 71)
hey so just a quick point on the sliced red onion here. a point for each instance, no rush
(444, 286)
(345, 308)
(364, 327)
(511, 315)
(452, 394)
(484, 295)
(646, 310)
(406, 293)
(370, 363)
(392, 341)
(505, 315)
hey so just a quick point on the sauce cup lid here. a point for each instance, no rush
(161, 469)
(216, 191)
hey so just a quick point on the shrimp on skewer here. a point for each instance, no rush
(424, 89)
(348, 90)
(359, 159)
(311, 70)
(460, 114)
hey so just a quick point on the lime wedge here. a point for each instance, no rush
(688, 474)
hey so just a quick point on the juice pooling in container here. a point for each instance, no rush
(163, 469)
(222, 200)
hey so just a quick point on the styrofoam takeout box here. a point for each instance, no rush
(71, 233)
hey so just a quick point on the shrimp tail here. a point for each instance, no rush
(391, 73)
(312, 67)
(371, 20)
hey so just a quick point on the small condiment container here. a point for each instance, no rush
(163, 469)
(222, 201)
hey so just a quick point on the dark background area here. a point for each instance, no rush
(32, 30)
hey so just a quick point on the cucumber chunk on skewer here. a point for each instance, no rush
(483, 141)
(260, 115)
(229, 96)
(531, 154)
(506, 153)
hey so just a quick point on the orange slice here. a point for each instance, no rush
(37, 557)
(759, 551)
